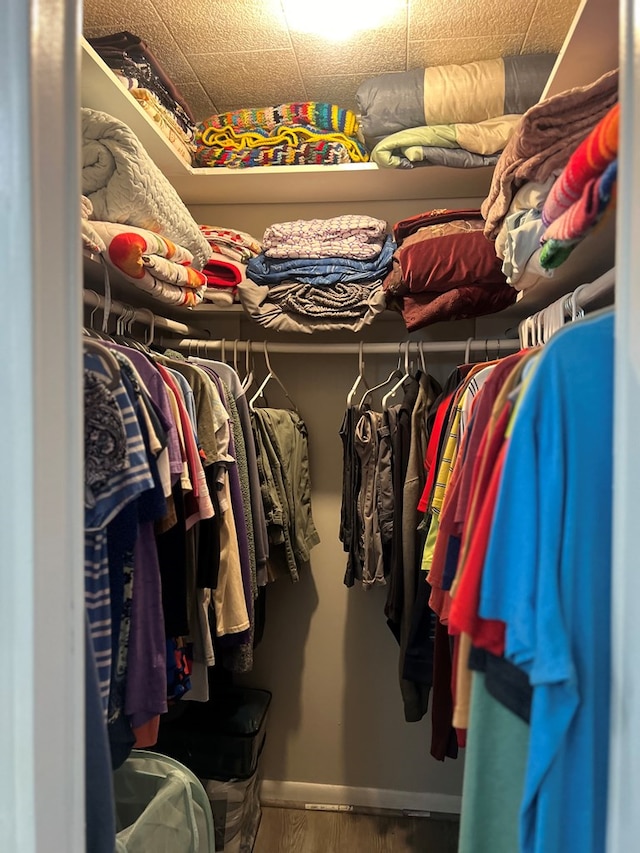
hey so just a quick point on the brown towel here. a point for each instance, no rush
(543, 142)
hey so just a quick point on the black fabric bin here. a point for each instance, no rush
(222, 738)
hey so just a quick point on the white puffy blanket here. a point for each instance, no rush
(126, 186)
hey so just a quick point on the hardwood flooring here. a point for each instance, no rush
(285, 830)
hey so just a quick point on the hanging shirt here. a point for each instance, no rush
(548, 577)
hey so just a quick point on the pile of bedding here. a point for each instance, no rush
(453, 115)
(125, 185)
(319, 274)
(445, 269)
(555, 181)
(148, 261)
(138, 71)
(226, 269)
(306, 133)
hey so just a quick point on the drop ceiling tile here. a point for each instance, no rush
(369, 53)
(550, 24)
(201, 104)
(446, 19)
(458, 51)
(257, 78)
(225, 27)
(335, 90)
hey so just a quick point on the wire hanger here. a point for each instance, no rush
(392, 392)
(360, 378)
(423, 363)
(271, 374)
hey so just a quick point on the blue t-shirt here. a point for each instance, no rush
(548, 577)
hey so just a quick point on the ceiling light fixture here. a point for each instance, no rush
(339, 20)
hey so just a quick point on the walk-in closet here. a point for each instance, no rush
(380, 538)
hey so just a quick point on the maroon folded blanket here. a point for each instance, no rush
(461, 303)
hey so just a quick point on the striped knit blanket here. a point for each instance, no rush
(327, 118)
(320, 153)
(588, 161)
(564, 234)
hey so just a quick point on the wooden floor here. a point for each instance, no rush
(300, 831)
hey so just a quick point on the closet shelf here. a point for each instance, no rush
(100, 90)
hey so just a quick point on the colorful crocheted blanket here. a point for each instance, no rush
(326, 118)
(320, 153)
(289, 134)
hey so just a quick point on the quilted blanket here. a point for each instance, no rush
(237, 245)
(349, 236)
(444, 94)
(482, 138)
(126, 186)
(152, 263)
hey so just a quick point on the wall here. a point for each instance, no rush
(327, 655)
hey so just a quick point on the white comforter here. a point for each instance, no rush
(125, 185)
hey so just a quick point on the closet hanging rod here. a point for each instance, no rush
(593, 292)
(92, 299)
(485, 345)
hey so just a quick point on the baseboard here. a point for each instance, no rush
(311, 794)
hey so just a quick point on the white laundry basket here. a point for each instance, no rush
(161, 807)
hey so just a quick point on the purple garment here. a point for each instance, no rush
(146, 692)
(158, 391)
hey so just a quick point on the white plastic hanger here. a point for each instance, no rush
(247, 382)
(395, 373)
(392, 392)
(360, 378)
(467, 351)
(271, 374)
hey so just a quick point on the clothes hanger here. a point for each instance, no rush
(249, 377)
(423, 363)
(271, 374)
(360, 378)
(108, 360)
(392, 392)
(395, 374)
(467, 351)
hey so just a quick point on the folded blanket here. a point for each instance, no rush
(336, 302)
(564, 234)
(530, 196)
(298, 313)
(326, 118)
(321, 271)
(126, 44)
(588, 161)
(544, 140)
(126, 186)
(460, 303)
(444, 94)
(91, 240)
(484, 137)
(165, 121)
(321, 152)
(350, 236)
(418, 156)
(521, 244)
(152, 263)
(237, 245)
(224, 272)
(444, 256)
(231, 140)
